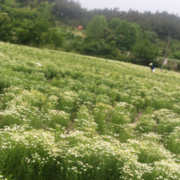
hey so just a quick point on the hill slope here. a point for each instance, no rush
(65, 116)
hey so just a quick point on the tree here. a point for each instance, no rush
(5, 30)
(10, 3)
(151, 36)
(114, 23)
(175, 55)
(145, 52)
(100, 49)
(175, 45)
(57, 38)
(68, 10)
(30, 31)
(96, 27)
(131, 33)
(108, 35)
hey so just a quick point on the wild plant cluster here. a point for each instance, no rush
(71, 117)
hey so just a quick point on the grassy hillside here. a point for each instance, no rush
(71, 117)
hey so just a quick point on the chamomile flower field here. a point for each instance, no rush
(71, 117)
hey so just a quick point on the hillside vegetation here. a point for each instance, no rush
(66, 116)
(130, 36)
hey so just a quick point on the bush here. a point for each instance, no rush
(6, 28)
(166, 122)
(52, 36)
(145, 124)
(145, 52)
(175, 55)
(148, 151)
(100, 49)
(101, 115)
(30, 31)
(173, 141)
(96, 27)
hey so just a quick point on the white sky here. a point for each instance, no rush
(170, 6)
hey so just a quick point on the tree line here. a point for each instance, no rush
(162, 23)
(71, 12)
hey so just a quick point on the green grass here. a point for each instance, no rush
(71, 117)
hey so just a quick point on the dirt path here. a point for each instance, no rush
(138, 117)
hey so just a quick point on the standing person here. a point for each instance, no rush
(152, 67)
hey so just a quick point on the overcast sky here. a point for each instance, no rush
(170, 6)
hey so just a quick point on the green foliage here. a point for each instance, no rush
(65, 116)
(85, 121)
(145, 124)
(28, 28)
(145, 52)
(174, 45)
(151, 36)
(5, 30)
(53, 36)
(162, 23)
(10, 3)
(109, 36)
(71, 13)
(149, 151)
(30, 31)
(44, 7)
(96, 26)
(17, 13)
(166, 123)
(68, 11)
(101, 113)
(175, 55)
(173, 141)
(114, 23)
(131, 33)
(100, 49)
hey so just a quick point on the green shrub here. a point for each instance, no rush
(6, 28)
(85, 121)
(30, 31)
(122, 113)
(102, 114)
(149, 152)
(146, 124)
(175, 55)
(173, 141)
(100, 49)
(166, 120)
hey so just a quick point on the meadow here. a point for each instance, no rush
(73, 117)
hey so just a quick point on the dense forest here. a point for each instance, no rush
(163, 24)
(107, 33)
